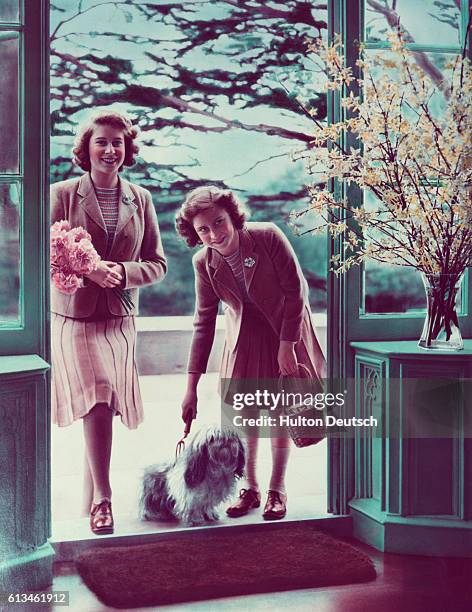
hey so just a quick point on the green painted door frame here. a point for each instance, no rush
(25, 554)
(30, 334)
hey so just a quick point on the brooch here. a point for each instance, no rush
(249, 262)
(126, 200)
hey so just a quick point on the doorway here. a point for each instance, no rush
(214, 105)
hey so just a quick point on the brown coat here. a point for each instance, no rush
(137, 242)
(274, 282)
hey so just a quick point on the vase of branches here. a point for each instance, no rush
(441, 327)
(405, 136)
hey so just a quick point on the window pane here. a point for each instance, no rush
(392, 289)
(436, 66)
(9, 151)
(427, 22)
(388, 288)
(10, 250)
(9, 11)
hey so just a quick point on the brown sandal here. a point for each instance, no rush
(101, 518)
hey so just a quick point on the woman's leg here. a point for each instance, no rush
(280, 453)
(249, 497)
(251, 460)
(98, 427)
(87, 495)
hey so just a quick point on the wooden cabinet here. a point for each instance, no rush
(25, 554)
(413, 474)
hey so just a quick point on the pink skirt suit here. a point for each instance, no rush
(93, 337)
(272, 306)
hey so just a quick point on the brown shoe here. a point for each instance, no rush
(275, 507)
(248, 498)
(101, 518)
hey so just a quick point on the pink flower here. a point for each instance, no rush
(79, 233)
(72, 256)
(83, 258)
(60, 226)
(66, 283)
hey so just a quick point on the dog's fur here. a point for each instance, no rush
(202, 476)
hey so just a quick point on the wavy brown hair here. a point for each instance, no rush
(201, 199)
(80, 152)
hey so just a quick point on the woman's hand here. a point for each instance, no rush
(189, 408)
(117, 267)
(106, 275)
(287, 358)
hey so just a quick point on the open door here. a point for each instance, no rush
(380, 303)
(25, 555)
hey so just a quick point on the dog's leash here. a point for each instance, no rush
(181, 443)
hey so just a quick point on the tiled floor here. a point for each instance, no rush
(155, 441)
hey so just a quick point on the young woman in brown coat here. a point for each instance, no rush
(94, 375)
(253, 270)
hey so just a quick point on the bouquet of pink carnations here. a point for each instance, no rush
(73, 256)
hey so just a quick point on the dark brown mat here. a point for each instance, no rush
(198, 566)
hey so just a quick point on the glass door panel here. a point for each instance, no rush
(425, 22)
(9, 11)
(10, 261)
(9, 102)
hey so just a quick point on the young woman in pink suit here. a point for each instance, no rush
(252, 268)
(94, 375)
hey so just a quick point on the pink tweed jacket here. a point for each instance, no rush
(274, 282)
(137, 243)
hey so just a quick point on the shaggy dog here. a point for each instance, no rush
(202, 476)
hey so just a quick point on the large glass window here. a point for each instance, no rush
(434, 31)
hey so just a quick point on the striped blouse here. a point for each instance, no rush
(236, 265)
(108, 200)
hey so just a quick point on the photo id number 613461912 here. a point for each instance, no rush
(34, 598)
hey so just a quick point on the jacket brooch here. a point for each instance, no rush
(249, 262)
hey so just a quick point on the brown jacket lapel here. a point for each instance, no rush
(249, 256)
(222, 274)
(87, 199)
(126, 209)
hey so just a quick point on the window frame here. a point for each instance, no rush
(346, 17)
(393, 326)
(30, 334)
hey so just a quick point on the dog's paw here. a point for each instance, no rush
(193, 523)
(212, 515)
(194, 520)
(147, 516)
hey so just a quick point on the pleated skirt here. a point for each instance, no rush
(255, 355)
(253, 365)
(93, 362)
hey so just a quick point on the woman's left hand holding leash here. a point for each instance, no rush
(287, 358)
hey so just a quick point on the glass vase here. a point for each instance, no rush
(441, 327)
